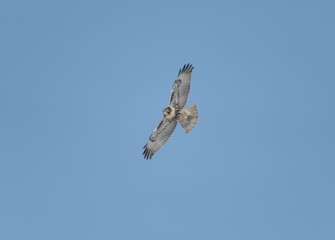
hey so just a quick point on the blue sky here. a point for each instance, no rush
(83, 84)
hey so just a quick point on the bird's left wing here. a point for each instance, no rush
(158, 137)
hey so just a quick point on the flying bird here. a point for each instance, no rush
(174, 113)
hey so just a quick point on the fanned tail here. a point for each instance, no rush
(188, 118)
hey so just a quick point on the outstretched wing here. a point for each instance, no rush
(158, 137)
(181, 87)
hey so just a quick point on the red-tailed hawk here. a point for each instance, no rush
(174, 113)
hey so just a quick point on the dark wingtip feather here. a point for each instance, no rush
(187, 68)
(147, 153)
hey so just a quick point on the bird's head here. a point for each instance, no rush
(167, 111)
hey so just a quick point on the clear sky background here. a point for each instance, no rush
(83, 84)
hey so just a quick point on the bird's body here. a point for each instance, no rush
(174, 113)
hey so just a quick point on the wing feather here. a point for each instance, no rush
(181, 87)
(158, 137)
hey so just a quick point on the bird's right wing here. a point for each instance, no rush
(158, 137)
(181, 87)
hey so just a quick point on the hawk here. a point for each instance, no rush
(174, 113)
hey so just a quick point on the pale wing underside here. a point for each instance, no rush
(181, 87)
(158, 137)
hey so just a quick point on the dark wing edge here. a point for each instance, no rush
(175, 92)
(187, 68)
(159, 137)
(147, 152)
